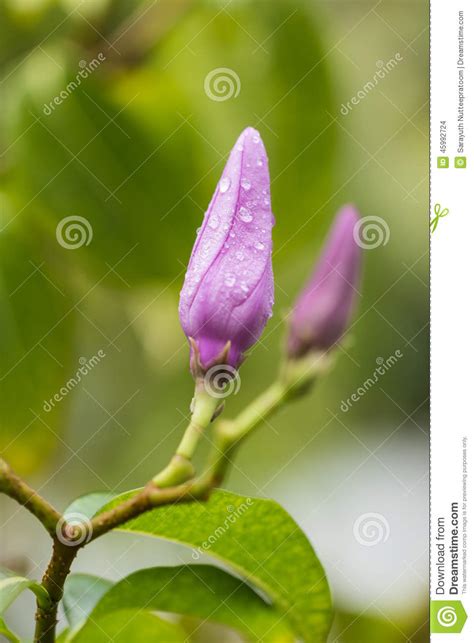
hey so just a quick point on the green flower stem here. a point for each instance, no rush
(12, 486)
(295, 380)
(180, 468)
(204, 408)
(230, 433)
(256, 412)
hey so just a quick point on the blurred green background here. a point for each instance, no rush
(136, 149)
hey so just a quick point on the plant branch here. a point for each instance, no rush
(53, 581)
(149, 498)
(176, 483)
(64, 551)
(14, 487)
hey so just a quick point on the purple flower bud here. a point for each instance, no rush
(322, 311)
(227, 295)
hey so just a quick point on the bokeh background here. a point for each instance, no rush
(136, 149)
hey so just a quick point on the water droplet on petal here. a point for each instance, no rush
(239, 255)
(213, 222)
(224, 184)
(259, 245)
(245, 183)
(244, 287)
(256, 138)
(229, 280)
(259, 162)
(244, 214)
(198, 230)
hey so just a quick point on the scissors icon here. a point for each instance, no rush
(438, 215)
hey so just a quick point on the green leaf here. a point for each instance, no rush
(63, 637)
(11, 586)
(89, 504)
(124, 626)
(201, 591)
(81, 594)
(259, 541)
(7, 633)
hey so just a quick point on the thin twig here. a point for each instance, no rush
(12, 486)
(53, 581)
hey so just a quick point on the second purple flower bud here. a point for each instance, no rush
(323, 310)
